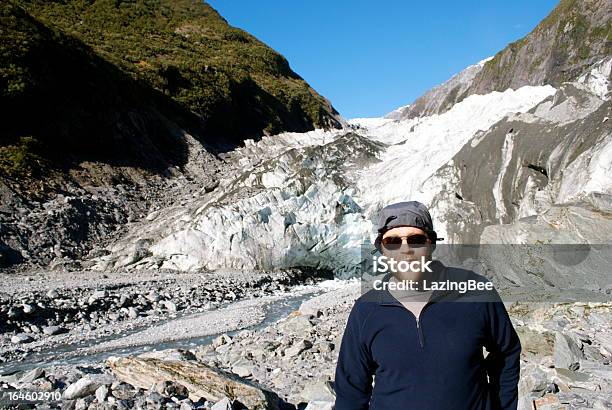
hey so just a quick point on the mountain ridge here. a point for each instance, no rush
(157, 69)
(573, 36)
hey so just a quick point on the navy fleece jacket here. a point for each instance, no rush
(436, 362)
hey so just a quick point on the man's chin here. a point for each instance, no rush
(415, 276)
(408, 259)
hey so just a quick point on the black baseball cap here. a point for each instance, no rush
(410, 213)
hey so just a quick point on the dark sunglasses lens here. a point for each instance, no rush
(392, 243)
(417, 240)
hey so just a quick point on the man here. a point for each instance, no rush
(424, 349)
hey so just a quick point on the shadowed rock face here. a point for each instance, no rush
(522, 166)
(130, 96)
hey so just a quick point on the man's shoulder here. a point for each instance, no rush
(367, 302)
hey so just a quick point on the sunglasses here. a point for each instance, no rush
(393, 243)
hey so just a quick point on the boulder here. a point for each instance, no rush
(123, 391)
(320, 405)
(534, 343)
(567, 352)
(21, 338)
(221, 340)
(133, 312)
(242, 368)
(298, 348)
(296, 325)
(52, 330)
(81, 388)
(318, 391)
(223, 404)
(201, 380)
(32, 375)
(101, 393)
(171, 388)
(52, 294)
(97, 295)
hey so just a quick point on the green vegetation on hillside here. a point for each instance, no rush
(114, 80)
(574, 35)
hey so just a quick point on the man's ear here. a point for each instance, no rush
(378, 242)
(433, 237)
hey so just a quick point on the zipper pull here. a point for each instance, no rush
(420, 334)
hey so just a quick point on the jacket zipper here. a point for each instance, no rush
(418, 325)
(419, 333)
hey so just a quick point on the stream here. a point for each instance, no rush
(274, 309)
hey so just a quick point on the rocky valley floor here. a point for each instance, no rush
(117, 342)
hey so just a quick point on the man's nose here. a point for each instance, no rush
(406, 249)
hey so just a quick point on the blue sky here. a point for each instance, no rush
(371, 57)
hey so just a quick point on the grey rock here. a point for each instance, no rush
(123, 391)
(27, 308)
(133, 312)
(81, 388)
(298, 324)
(52, 330)
(126, 404)
(40, 384)
(271, 345)
(572, 376)
(170, 306)
(32, 375)
(154, 400)
(326, 347)
(308, 309)
(298, 348)
(320, 405)
(83, 403)
(21, 339)
(52, 294)
(171, 388)
(186, 405)
(567, 353)
(317, 390)
(242, 368)
(97, 295)
(223, 404)
(68, 404)
(101, 393)
(221, 340)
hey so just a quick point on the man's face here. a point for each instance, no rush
(410, 248)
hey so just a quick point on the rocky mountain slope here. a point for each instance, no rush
(517, 156)
(106, 103)
(309, 199)
(517, 166)
(574, 36)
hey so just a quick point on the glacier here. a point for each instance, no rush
(310, 199)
